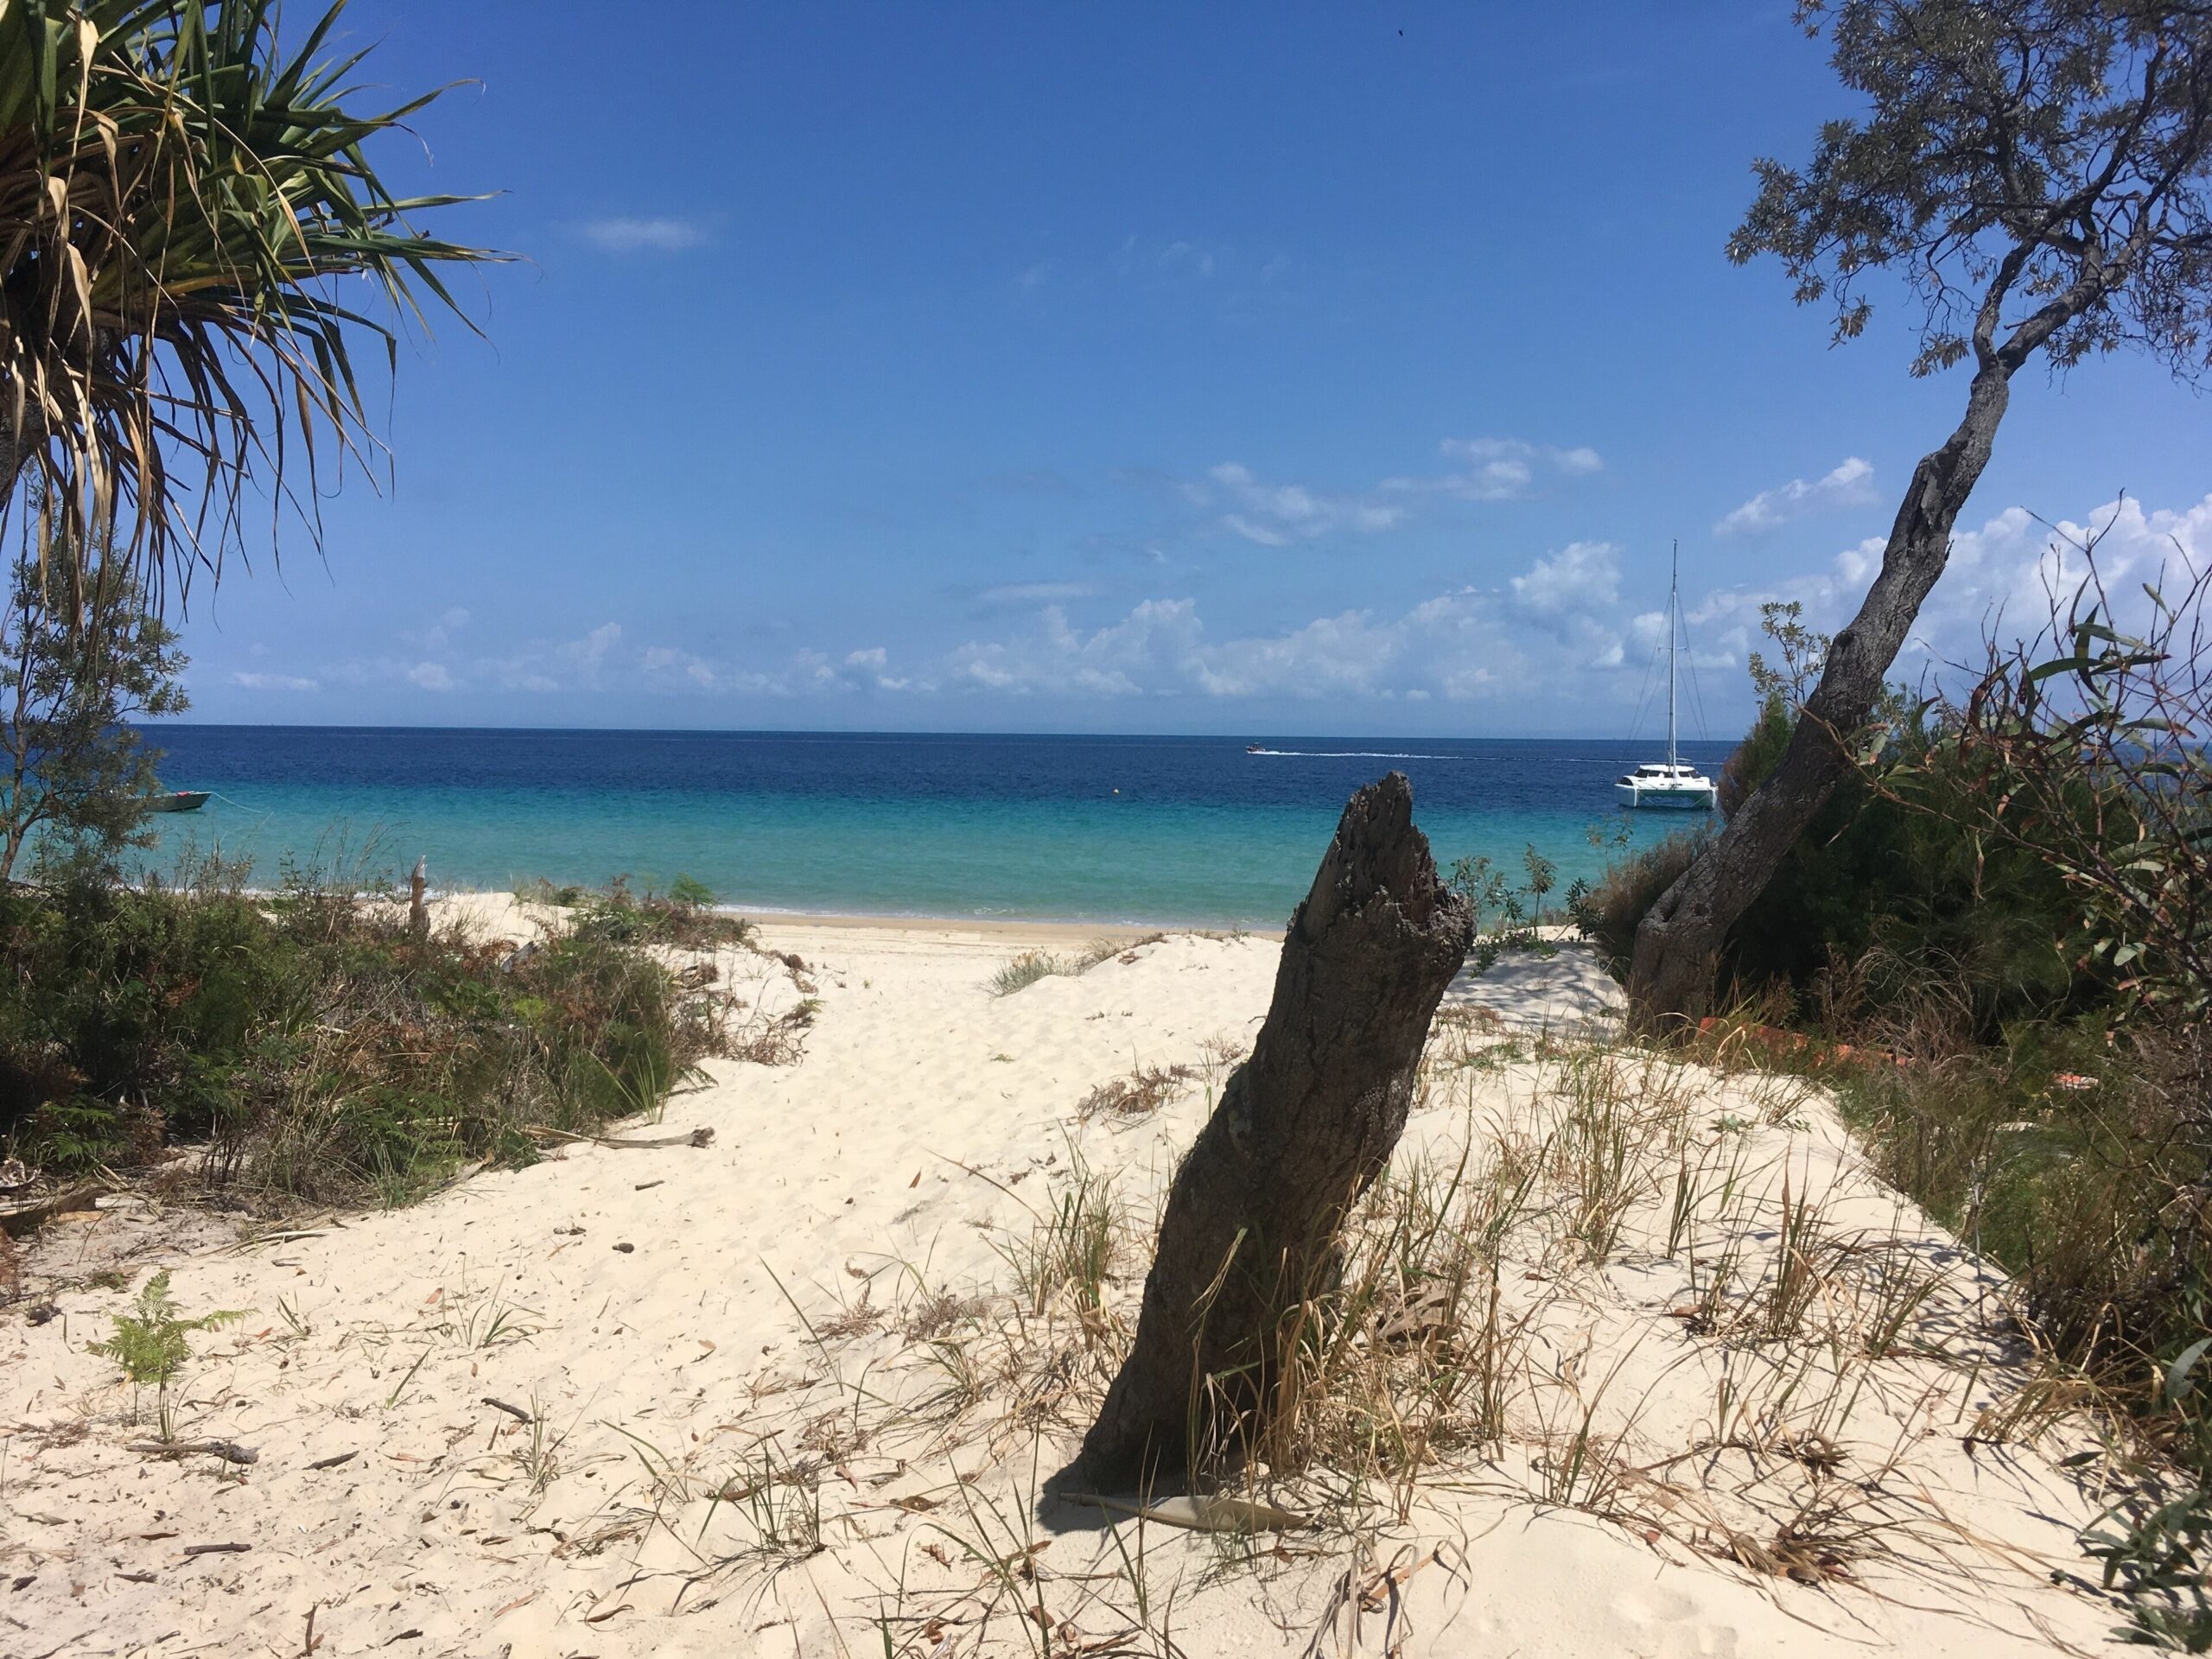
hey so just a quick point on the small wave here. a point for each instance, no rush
(1352, 755)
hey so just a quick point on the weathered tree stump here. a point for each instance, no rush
(1303, 1128)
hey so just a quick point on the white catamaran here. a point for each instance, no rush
(1669, 783)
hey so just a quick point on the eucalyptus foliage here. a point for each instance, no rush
(2037, 174)
(2035, 171)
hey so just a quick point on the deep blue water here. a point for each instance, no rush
(1102, 829)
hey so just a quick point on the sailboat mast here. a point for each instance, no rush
(1673, 629)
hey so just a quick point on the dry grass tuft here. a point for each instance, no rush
(1480, 1334)
(1031, 966)
(1140, 1094)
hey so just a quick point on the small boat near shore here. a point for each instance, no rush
(178, 800)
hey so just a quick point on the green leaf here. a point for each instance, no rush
(2179, 1382)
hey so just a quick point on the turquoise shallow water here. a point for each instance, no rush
(1151, 830)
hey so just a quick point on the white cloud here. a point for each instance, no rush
(1500, 469)
(665, 664)
(2005, 576)
(1850, 485)
(1275, 515)
(432, 676)
(1036, 593)
(875, 657)
(1188, 257)
(439, 633)
(1483, 469)
(1456, 645)
(1151, 263)
(591, 650)
(259, 681)
(2000, 579)
(1145, 649)
(623, 234)
(1580, 578)
(542, 666)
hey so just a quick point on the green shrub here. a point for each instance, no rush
(1903, 890)
(317, 1046)
(1608, 913)
(684, 916)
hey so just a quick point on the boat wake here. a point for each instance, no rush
(1352, 755)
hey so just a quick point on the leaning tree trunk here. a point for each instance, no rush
(1303, 1128)
(1678, 944)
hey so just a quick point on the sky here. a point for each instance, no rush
(1254, 369)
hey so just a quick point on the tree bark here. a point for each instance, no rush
(1303, 1128)
(1678, 944)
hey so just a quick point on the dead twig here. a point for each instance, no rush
(228, 1451)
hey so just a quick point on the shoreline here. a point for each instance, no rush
(1011, 930)
(1036, 932)
(917, 921)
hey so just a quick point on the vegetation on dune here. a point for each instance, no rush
(1885, 893)
(320, 1045)
(2007, 912)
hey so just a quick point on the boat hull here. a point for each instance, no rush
(1678, 800)
(184, 800)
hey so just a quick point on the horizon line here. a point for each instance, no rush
(1241, 735)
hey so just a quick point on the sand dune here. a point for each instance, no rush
(798, 1390)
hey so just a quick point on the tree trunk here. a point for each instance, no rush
(1303, 1128)
(1678, 944)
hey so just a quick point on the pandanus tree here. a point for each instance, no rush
(2038, 173)
(184, 195)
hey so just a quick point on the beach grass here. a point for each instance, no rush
(318, 1042)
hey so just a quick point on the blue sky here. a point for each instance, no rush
(1267, 369)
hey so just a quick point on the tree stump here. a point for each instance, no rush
(1250, 1236)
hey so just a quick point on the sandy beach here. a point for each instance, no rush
(799, 1389)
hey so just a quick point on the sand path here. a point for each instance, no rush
(636, 1307)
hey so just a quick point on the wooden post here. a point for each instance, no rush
(418, 912)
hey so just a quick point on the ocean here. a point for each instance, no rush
(1159, 829)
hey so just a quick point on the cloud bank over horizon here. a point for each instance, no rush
(1564, 634)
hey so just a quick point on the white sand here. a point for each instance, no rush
(897, 1158)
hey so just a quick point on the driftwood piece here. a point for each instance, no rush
(23, 1217)
(702, 1136)
(1304, 1126)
